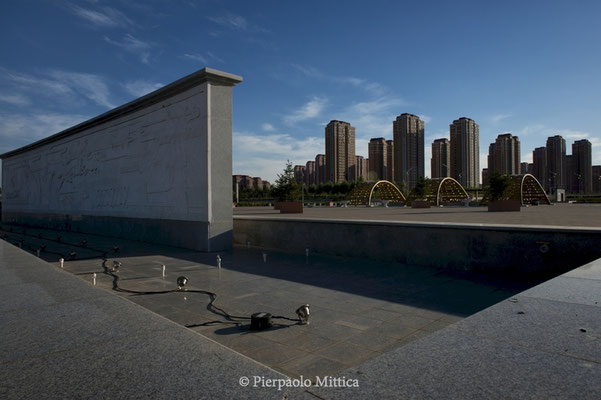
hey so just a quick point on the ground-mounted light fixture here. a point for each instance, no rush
(181, 282)
(303, 314)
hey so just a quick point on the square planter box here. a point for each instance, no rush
(420, 204)
(289, 207)
(504, 205)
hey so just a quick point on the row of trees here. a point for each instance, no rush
(286, 188)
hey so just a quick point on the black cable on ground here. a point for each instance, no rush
(210, 306)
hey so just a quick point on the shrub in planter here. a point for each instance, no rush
(498, 196)
(287, 191)
(419, 194)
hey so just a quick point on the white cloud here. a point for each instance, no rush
(532, 129)
(373, 88)
(133, 45)
(89, 85)
(24, 128)
(59, 85)
(309, 110)
(15, 99)
(495, 119)
(231, 21)
(197, 57)
(266, 155)
(205, 58)
(140, 88)
(425, 118)
(106, 17)
(267, 127)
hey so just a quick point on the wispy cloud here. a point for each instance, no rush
(267, 127)
(266, 155)
(495, 119)
(204, 58)
(425, 118)
(105, 17)
(373, 88)
(23, 128)
(133, 45)
(140, 88)
(89, 85)
(15, 99)
(309, 110)
(59, 85)
(231, 21)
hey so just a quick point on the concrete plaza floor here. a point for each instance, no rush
(359, 309)
(571, 215)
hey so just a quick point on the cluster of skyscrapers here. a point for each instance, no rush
(398, 160)
(401, 159)
(556, 170)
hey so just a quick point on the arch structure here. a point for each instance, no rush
(364, 193)
(444, 191)
(527, 189)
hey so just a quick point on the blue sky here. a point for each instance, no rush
(532, 68)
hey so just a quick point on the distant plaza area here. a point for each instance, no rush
(570, 215)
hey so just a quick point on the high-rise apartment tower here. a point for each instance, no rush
(340, 152)
(441, 158)
(465, 152)
(408, 135)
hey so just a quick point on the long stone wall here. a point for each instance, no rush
(157, 169)
(517, 250)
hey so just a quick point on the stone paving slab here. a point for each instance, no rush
(537, 344)
(63, 338)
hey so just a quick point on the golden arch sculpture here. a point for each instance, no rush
(445, 190)
(527, 189)
(363, 193)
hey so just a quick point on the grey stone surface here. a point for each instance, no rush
(62, 338)
(156, 169)
(525, 347)
(458, 365)
(569, 289)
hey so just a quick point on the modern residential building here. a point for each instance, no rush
(441, 158)
(485, 177)
(596, 178)
(408, 135)
(242, 182)
(504, 155)
(299, 173)
(361, 167)
(582, 166)
(320, 169)
(340, 151)
(377, 150)
(390, 160)
(465, 152)
(570, 181)
(539, 167)
(310, 173)
(257, 183)
(524, 168)
(556, 167)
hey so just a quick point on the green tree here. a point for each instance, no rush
(498, 184)
(286, 187)
(419, 191)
